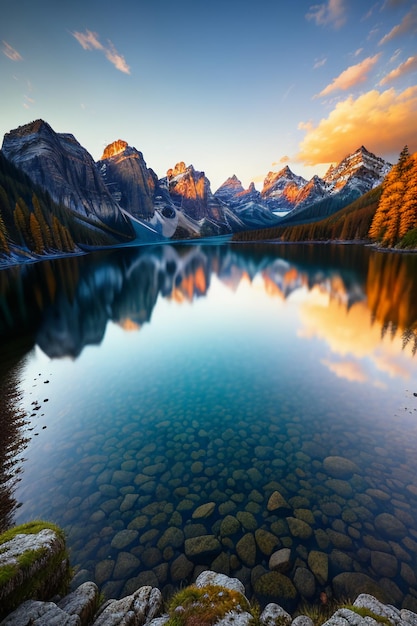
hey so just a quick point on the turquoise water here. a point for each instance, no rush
(174, 392)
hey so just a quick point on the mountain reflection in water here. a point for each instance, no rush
(220, 376)
(66, 304)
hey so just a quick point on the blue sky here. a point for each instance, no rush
(230, 87)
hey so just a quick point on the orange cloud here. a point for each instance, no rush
(354, 338)
(407, 25)
(11, 53)
(382, 121)
(353, 75)
(408, 66)
(283, 159)
(329, 13)
(90, 41)
(350, 370)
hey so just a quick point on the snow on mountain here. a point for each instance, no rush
(360, 170)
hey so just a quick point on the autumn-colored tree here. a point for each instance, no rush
(45, 230)
(67, 240)
(35, 231)
(396, 212)
(56, 233)
(21, 219)
(409, 208)
(4, 246)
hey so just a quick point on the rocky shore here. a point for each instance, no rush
(34, 569)
(214, 600)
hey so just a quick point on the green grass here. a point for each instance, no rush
(30, 528)
(364, 612)
(49, 580)
(204, 606)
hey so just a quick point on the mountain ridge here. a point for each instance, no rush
(120, 192)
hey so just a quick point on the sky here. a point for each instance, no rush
(230, 87)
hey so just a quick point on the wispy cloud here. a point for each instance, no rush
(353, 75)
(407, 25)
(330, 13)
(90, 41)
(382, 121)
(28, 102)
(319, 63)
(395, 55)
(10, 52)
(283, 159)
(404, 68)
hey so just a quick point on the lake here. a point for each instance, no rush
(245, 408)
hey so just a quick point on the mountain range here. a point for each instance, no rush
(121, 195)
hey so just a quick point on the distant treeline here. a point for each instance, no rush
(386, 215)
(350, 223)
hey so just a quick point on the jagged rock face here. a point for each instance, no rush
(59, 164)
(281, 189)
(229, 189)
(312, 191)
(361, 169)
(189, 190)
(130, 182)
(353, 176)
(232, 192)
(191, 196)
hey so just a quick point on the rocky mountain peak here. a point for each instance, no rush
(117, 147)
(180, 168)
(37, 126)
(360, 163)
(230, 186)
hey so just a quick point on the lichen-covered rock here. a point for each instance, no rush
(33, 564)
(221, 580)
(368, 601)
(302, 620)
(274, 614)
(138, 608)
(235, 618)
(82, 601)
(40, 613)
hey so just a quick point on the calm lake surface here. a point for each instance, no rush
(179, 408)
